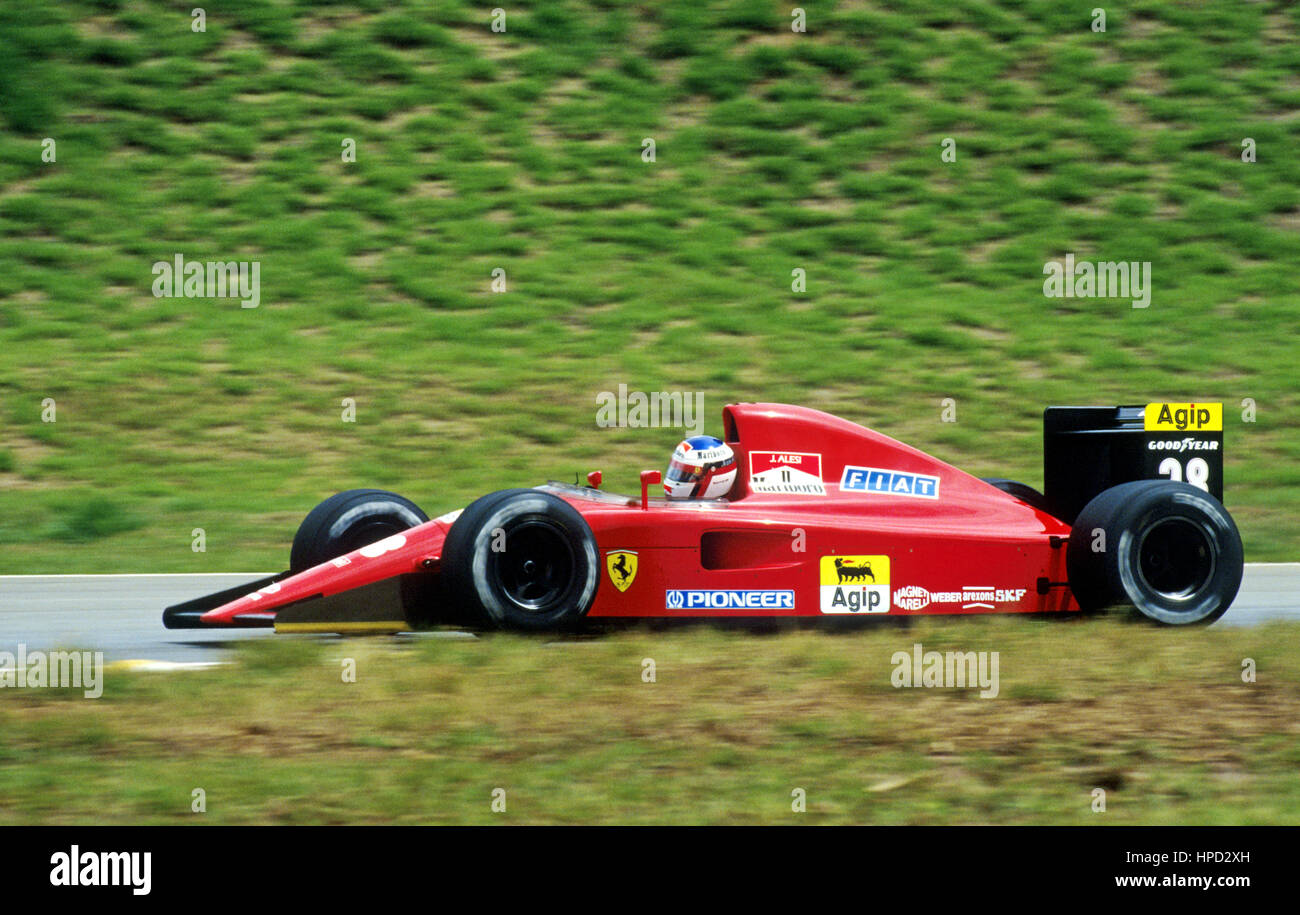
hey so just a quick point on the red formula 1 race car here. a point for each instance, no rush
(823, 519)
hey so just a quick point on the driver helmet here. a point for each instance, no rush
(702, 467)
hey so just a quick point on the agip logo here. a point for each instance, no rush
(854, 584)
(1183, 417)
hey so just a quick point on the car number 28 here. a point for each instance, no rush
(1198, 472)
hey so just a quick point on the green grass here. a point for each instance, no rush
(522, 151)
(731, 726)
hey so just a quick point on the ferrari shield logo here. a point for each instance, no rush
(622, 567)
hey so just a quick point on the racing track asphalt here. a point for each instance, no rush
(121, 615)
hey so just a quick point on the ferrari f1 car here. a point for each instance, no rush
(826, 519)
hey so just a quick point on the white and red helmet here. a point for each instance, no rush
(702, 467)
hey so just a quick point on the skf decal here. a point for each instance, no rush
(889, 482)
(854, 584)
(786, 471)
(729, 600)
(622, 567)
(1183, 417)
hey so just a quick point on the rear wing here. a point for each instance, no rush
(1089, 449)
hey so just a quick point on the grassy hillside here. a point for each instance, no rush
(522, 150)
(732, 724)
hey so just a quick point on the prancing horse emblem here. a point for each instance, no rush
(622, 567)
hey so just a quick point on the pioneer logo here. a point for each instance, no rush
(729, 600)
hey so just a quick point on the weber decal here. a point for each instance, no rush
(889, 482)
(970, 597)
(854, 584)
(786, 472)
(728, 600)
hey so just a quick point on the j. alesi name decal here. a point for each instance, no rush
(786, 472)
(854, 584)
(889, 482)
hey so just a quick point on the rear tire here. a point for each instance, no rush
(1022, 491)
(348, 521)
(521, 559)
(1169, 549)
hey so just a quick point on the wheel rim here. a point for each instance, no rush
(536, 567)
(1176, 558)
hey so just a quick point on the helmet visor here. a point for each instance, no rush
(680, 472)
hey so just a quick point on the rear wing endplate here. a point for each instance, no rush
(1089, 449)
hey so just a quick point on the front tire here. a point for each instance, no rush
(521, 559)
(348, 521)
(1169, 549)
